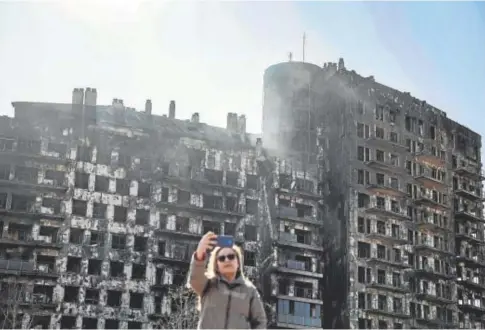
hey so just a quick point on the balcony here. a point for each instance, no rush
(15, 267)
(431, 202)
(388, 262)
(182, 232)
(304, 193)
(291, 213)
(428, 223)
(298, 241)
(385, 166)
(434, 298)
(297, 267)
(470, 306)
(430, 273)
(470, 172)
(466, 215)
(474, 283)
(8, 155)
(385, 189)
(430, 182)
(470, 194)
(390, 239)
(180, 256)
(387, 144)
(432, 323)
(13, 240)
(387, 312)
(426, 249)
(381, 210)
(471, 261)
(472, 238)
(400, 288)
(297, 322)
(204, 209)
(429, 158)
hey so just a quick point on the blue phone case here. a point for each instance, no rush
(225, 241)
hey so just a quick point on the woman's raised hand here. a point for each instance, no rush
(207, 242)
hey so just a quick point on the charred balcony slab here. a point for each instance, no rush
(391, 288)
(179, 233)
(472, 262)
(429, 158)
(13, 184)
(384, 212)
(425, 249)
(473, 284)
(467, 305)
(468, 216)
(387, 312)
(291, 213)
(385, 166)
(430, 273)
(433, 323)
(204, 210)
(298, 322)
(291, 240)
(472, 238)
(386, 189)
(31, 214)
(298, 268)
(426, 201)
(468, 194)
(198, 182)
(306, 297)
(429, 182)
(387, 262)
(26, 268)
(387, 144)
(390, 239)
(434, 299)
(425, 224)
(30, 242)
(23, 156)
(300, 192)
(470, 172)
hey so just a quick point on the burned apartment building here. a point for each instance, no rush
(102, 207)
(403, 227)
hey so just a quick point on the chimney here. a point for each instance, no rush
(341, 65)
(171, 110)
(148, 107)
(78, 96)
(117, 103)
(91, 96)
(241, 123)
(231, 122)
(195, 117)
(259, 146)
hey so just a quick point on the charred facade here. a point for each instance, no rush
(401, 195)
(102, 207)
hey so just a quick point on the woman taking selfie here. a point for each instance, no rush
(227, 300)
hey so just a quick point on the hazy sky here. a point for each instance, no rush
(210, 57)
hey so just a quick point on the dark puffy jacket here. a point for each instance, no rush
(234, 305)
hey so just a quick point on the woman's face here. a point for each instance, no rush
(227, 262)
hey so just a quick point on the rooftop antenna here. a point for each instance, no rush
(290, 56)
(304, 40)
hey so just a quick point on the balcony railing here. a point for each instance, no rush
(303, 292)
(470, 172)
(16, 265)
(386, 188)
(300, 320)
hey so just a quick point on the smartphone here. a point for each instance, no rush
(225, 241)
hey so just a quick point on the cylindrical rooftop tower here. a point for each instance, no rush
(289, 119)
